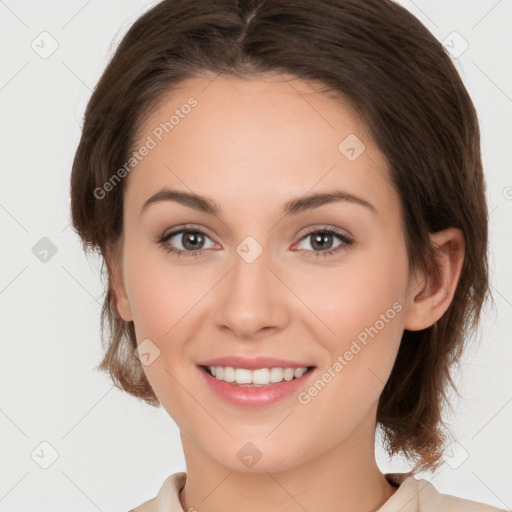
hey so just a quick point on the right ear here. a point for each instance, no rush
(117, 286)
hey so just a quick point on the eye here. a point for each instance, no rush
(192, 241)
(322, 242)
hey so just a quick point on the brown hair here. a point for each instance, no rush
(405, 89)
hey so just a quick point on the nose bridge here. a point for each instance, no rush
(250, 265)
(253, 298)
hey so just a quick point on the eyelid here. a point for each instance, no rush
(186, 227)
(327, 227)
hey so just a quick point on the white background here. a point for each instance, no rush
(114, 452)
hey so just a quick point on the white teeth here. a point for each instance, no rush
(229, 374)
(243, 376)
(259, 377)
(276, 374)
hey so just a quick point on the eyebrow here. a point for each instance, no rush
(293, 207)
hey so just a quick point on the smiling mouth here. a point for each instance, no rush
(262, 377)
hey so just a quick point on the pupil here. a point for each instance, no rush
(195, 238)
(317, 239)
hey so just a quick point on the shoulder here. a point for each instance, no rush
(431, 499)
(147, 506)
(422, 496)
(167, 499)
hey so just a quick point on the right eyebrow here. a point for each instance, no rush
(194, 201)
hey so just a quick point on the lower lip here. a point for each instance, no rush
(246, 396)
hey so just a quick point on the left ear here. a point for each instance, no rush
(429, 297)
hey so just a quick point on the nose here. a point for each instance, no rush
(252, 299)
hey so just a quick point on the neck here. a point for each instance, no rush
(345, 477)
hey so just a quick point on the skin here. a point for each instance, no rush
(251, 145)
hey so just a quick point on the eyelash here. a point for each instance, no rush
(347, 242)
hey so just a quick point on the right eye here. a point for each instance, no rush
(192, 242)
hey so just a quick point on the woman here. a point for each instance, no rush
(290, 204)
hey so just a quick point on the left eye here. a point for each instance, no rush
(322, 240)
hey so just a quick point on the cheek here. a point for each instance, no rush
(161, 299)
(160, 293)
(350, 298)
(361, 306)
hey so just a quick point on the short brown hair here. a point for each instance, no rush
(404, 87)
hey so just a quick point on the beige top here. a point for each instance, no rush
(413, 495)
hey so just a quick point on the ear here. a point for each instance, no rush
(430, 296)
(117, 285)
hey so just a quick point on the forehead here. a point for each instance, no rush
(274, 136)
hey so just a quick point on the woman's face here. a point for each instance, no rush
(255, 279)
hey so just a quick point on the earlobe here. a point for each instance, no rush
(119, 294)
(431, 296)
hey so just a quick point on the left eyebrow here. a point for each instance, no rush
(293, 207)
(309, 202)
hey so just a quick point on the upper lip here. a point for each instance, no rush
(253, 363)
